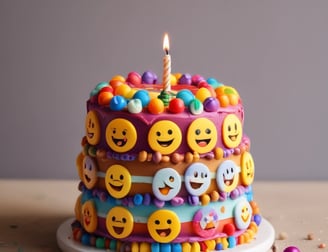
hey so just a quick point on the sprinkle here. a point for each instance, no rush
(282, 236)
(310, 236)
(322, 245)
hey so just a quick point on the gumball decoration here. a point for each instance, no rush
(134, 78)
(185, 79)
(117, 103)
(156, 106)
(135, 106)
(186, 95)
(202, 94)
(106, 89)
(173, 80)
(196, 107)
(149, 77)
(104, 97)
(292, 249)
(122, 90)
(116, 83)
(143, 96)
(196, 79)
(176, 106)
(211, 104)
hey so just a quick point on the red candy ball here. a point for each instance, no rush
(176, 106)
(134, 78)
(229, 229)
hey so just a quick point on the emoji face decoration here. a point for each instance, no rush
(119, 222)
(227, 176)
(166, 184)
(121, 135)
(89, 172)
(89, 216)
(165, 137)
(247, 168)
(202, 135)
(197, 179)
(118, 181)
(163, 226)
(92, 128)
(243, 214)
(205, 222)
(232, 131)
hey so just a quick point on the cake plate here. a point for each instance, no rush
(263, 241)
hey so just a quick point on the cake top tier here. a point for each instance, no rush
(136, 114)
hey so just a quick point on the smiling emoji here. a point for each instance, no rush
(118, 181)
(119, 222)
(89, 216)
(92, 128)
(243, 214)
(197, 179)
(121, 135)
(166, 184)
(163, 226)
(164, 136)
(247, 168)
(202, 135)
(232, 131)
(89, 172)
(227, 176)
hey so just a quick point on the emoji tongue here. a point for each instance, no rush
(202, 143)
(162, 234)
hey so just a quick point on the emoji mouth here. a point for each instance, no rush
(87, 178)
(203, 142)
(165, 143)
(87, 221)
(245, 218)
(227, 182)
(233, 137)
(165, 190)
(196, 185)
(90, 135)
(118, 230)
(163, 232)
(116, 188)
(119, 141)
(210, 225)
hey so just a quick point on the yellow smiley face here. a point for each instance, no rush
(119, 222)
(202, 135)
(92, 127)
(165, 137)
(163, 226)
(121, 135)
(89, 216)
(232, 131)
(118, 181)
(89, 172)
(247, 168)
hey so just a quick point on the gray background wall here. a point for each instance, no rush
(54, 52)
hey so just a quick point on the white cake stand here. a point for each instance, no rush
(263, 241)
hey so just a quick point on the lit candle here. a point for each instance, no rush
(166, 64)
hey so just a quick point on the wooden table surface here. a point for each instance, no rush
(32, 210)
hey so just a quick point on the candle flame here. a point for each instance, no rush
(166, 43)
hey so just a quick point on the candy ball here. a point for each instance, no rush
(186, 95)
(292, 249)
(106, 89)
(211, 104)
(149, 77)
(135, 106)
(196, 79)
(101, 85)
(117, 103)
(104, 98)
(122, 90)
(257, 219)
(116, 83)
(156, 106)
(176, 105)
(196, 107)
(202, 94)
(134, 78)
(118, 77)
(185, 79)
(143, 96)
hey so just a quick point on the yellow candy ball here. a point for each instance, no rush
(202, 94)
(173, 80)
(122, 90)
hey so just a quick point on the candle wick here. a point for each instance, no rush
(167, 51)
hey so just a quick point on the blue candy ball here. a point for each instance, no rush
(143, 96)
(186, 95)
(117, 103)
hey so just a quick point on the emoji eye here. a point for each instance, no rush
(171, 179)
(113, 218)
(157, 222)
(114, 131)
(229, 128)
(158, 133)
(197, 131)
(227, 171)
(121, 177)
(168, 221)
(235, 126)
(111, 176)
(90, 167)
(208, 131)
(92, 125)
(195, 174)
(170, 132)
(231, 170)
(123, 220)
(124, 132)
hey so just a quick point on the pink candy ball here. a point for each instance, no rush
(134, 78)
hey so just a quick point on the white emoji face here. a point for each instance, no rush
(243, 214)
(166, 184)
(197, 179)
(227, 176)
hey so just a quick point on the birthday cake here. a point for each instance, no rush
(165, 170)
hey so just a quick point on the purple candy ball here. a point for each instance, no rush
(211, 104)
(292, 249)
(149, 77)
(185, 79)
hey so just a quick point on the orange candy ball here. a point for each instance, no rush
(104, 98)
(156, 106)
